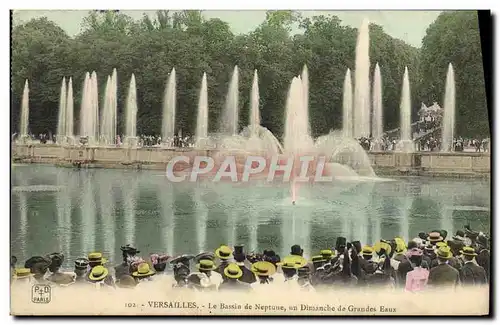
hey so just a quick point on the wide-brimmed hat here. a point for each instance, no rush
(381, 247)
(206, 265)
(327, 253)
(400, 245)
(318, 259)
(184, 259)
(143, 270)
(469, 251)
(81, 263)
(263, 268)
(434, 237)
(293, 262)
(96, 257)
(444, 252)
(22, 273)
(129, 249)
(367, 250)
(224, 252)
(233, 271)
(98, 273)
(441, 244)
(204, 256)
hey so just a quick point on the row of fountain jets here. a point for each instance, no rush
(358, 106)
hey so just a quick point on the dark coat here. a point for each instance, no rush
(483, 259)
(472, 274)
(234, 285)
(121, 270)
(220, 269)
(443, 275)
(248, 276)
(403, 269)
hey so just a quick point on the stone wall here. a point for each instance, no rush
(420, 163)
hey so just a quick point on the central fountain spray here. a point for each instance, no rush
(254, 105)
(70, 137)
(347, 106)
(449, 112)
(202, 119)
(405, 143)
(378, 124)
(108, 113)
(131, 115)
(25, 111)
(61, 122)
(168, 124)
(229, 123)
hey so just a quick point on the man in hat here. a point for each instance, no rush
(434, 238)
(210, 280)
(184, 259)
(224, 253)
(232, 275)
(264, 270)
(296, 250)
(159, 263)
(97, 276)
(181, 273)
(124, 267)
(471, 273)
(239, 257)
(81, 267)
(143, 273)
(483, 256)
(443, 274)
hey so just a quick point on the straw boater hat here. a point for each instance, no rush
(224, 252)
(441, 244)
(263, 268)
(469, 251)
(293, 262)
(367, 250)
(327, 253)
(318, 259)
(96, 257)
(444, 252)
(22, 273)
(382, 246)
(98, 273)
(233, 271)
(143, 270)
(434, 237)
(400, 245)
(206, 265)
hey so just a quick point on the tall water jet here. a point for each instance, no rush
(362, 83)
(448, 131)
(108, 118)
(95, 107)
(304, 77)
(405, 143)
(229, 123)
(86, 108)
(25, 111)
(168, 125)
(296, 138)
(114, 105)
(254, 105)
(202, 119)
(377, 121)
(61, 121)
(347, 118)
(131, 114)
(69, 114)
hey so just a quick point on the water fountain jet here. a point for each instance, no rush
(448, 131)
(168, 125)
(229, 123)
(131, 115)
(70, 137)
(347, 107)
(61, 121)
(378, 122)
(405, 143)
(202, 118)
(362, 83)
(23, 127)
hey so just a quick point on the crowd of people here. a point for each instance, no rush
(429, 260)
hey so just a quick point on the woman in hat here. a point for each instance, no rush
(123, 268)
(263, 270)
(233, 273)
(143, 273)
(443, 274)
(39, 266)
(417, 277)
(290, 265)
(210, 280)
(471, 273)
(181, 273)
(55, 275)
(224, 253)
(81, 267)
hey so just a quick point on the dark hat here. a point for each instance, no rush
(181, 269)
(238, 254)
(37, 263)
(271, 256)
(357, 245)
(184, 259)
(81, 263)
(129, 249)
(56, 259)
(238, 249)
(482, 240)
(422, 235)
(204, 256)
(296, 250)
(443, 233)
(341, 242)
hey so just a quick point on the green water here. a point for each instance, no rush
(78, 211)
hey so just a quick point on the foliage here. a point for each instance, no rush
(150, 47)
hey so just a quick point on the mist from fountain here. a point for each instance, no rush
(95, 107)
(202, 118)
(86, 116)
(448, 131)
(25, 111)
(169, 101)
(61, 121)
(347, 112)
(69, 114)
(361, 118)
(254, 104)
(405, 143)
(378, 113)
(229, 123)
(131, 114)
(304, 77)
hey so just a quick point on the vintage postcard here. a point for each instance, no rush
(198, 162)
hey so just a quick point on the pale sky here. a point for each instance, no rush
(409, 26)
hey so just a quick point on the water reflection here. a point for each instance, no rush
(104, 209)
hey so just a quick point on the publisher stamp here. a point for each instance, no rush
(41, 294)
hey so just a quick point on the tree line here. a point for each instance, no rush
(43, 53)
